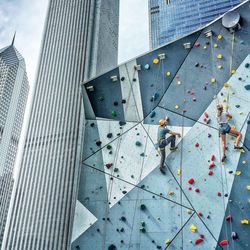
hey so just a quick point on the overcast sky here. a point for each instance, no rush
(27, 18)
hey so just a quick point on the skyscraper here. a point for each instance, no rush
(46, 191)
(172, 19)
(14, 90)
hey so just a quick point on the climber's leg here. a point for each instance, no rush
(238, 134)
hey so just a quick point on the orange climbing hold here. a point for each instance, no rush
(224, 242)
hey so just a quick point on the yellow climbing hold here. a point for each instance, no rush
(216, 45)
(249, 200)
(168, 241)
(219, 67)
(238, 173)
(215, 97)
(171, 193)
(193, 228)
(245, 222)
(168, 73)
(179, 82)
(176, 106)
(220, 36)
(242, 151)
(233, 71)
(213, 80)
(248, 187)
(156, 61)
(179, 171)
(226, 85)
(219, 56)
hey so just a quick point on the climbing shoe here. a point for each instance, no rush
(163, 171)
(174, 148)
(223, 158)
(238, 147)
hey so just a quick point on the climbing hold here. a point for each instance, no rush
(212, 157)
(143, 224)
(200, 214)
(193, 228)
(113, 113)
(168, 241)
(219, 194)
(244, 162)
(209, 135)
(210, 172)
(197, 64)
(109, 135)
(219, 36)
(153, 113)
(237, 106)
(112, 247)
(171, 193)
(179, 171)
(238, 173)
(122, 78)
(191, 181)
(197, 190)
(156, 61)
(123, 101)
(115, 103)
(190, 188)
(158, 247)
(116, 170)
(189, 211)
(197, 45)
(109, 165)
(247, 87)
(202, 236)
(244, 222)
(178, 82)
(199, 241)
(143, 207)
(219, 67)
(122, 123)
(212, 165)
(216, 45)
(123, 218)
(233, 71)
(213, 80)
(176, 106)
(224, 242)
(247, 65)
(146, 66)
(234, 236)
(124, 191)
(206, 114)
(226, 85)
(143, 230)
(197, 145)
(219, 56)
(98, 143)
(229, 218)
(109, 147)
(134, 79)
(168, 73)
(138, 144)
(248, 187)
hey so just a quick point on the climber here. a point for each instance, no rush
(163, 142)
(225, 128)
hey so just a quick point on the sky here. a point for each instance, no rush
(27, 18)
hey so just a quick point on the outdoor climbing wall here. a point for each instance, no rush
(199, 203)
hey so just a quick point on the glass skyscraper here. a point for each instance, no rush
(73, 48)
(14, 90)
(172, 19)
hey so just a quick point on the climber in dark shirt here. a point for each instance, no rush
(163, 142)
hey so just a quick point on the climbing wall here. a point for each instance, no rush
(124, 201)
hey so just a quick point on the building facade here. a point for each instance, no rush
(45, 194)
(172, 19)
(14, 90)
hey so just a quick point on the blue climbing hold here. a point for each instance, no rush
(247, 65)
(152, 115)
(237, 106)
(247, 87)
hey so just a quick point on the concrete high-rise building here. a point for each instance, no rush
(80, 40)
(14, 90)
(172, 19)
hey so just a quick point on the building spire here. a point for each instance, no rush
(13, 40)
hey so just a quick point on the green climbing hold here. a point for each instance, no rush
(138, 144)
(109, 147)
(113, 113)
(116, 170)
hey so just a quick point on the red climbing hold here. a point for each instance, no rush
(206, 114)
(197, 45)
(190, 188)
(109, 165)
(224, 242)
(197, 190)
(200, 214)
(199, 241)
(229, 218)
(191, 181)
(197, 145)
(205, 119)
(202, 236)
(211, 165)
(212, 157)
(210, 172)
(219, 194)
